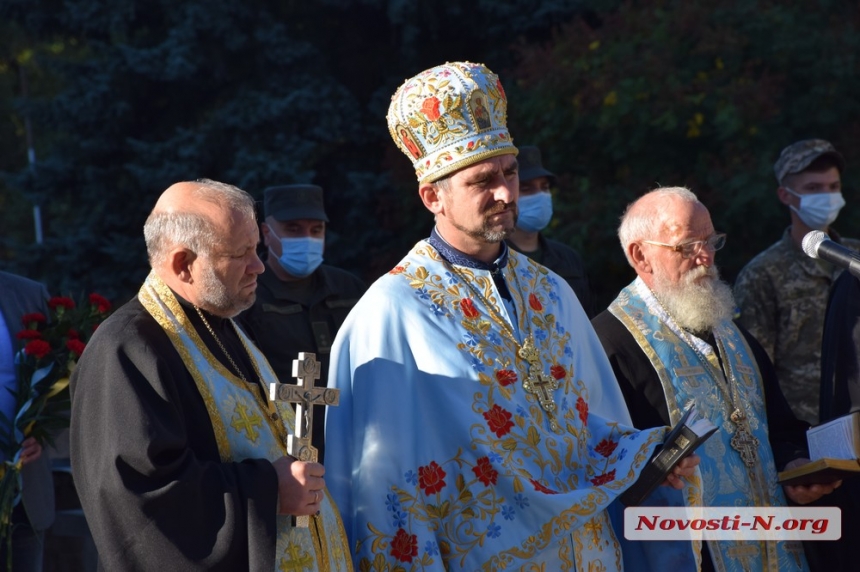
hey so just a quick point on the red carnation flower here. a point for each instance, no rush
(430, 108)
(501, 89)
(404, 546)
(76, 346)
(468, 308)
(38, 317)
(604, 478)
(540, 488)
(485, 472)
(582, 407)
(100, 302)
(557, 372)
(534, 302)
(29, 335)
(431, 478)
(506, 377)
(61, 301)
(397, 270)
(606, 447)
(499, 420)
(37, 348)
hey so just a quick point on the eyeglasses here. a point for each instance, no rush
(691, 249)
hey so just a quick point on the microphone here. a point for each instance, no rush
(817, 244)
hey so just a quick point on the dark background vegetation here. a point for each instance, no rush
(125, 97)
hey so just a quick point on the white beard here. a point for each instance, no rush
(696, 306)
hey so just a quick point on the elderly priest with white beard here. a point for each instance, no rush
(670, 338)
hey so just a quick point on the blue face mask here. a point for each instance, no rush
(301, 256)
(535, 212)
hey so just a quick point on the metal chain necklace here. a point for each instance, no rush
(743, 441)
(538, 383)
(220, 345)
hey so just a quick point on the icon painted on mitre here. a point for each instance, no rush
(479, 111)
(408, 142)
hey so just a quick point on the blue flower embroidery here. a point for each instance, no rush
(521, 411)
(522, 501)
(527, 273)
(437, 310)
(411, 477)
(540, 335)
(559, 328)
(400, 519)
(553, 296)
(450, 278)
(508, 512)
(622, 454)
(495, 458)
(422, 293)
(476, 364)
(431, 548)
(392, 502)
(471, 340)
(494, 338)
(567, 351)
(552, 281)
(494, 530)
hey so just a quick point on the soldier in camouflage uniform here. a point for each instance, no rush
(782, 293)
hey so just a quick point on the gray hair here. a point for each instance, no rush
(164, 230)
(643, 224)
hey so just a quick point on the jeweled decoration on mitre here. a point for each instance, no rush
(449, 117)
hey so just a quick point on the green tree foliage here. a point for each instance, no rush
(703, 94)
(138, 95)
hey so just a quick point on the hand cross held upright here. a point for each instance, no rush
(306, 369)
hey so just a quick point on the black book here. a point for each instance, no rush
(684, 438)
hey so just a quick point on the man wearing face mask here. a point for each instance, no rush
(301, 302)
(535, 212)
(782, 293)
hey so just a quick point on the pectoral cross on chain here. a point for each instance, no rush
(539, 383)
(743, 441)
(305, 395)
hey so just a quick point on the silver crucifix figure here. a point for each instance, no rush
(305, 395)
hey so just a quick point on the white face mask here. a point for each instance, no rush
(818, 210)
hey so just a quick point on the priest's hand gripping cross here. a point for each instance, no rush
(305, 395)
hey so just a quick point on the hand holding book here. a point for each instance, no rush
(673, 460)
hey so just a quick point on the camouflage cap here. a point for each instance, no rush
(798, 156)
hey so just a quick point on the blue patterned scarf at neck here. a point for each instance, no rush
(460, 258)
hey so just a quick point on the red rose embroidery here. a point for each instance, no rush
(603, 479)
(534, 302)
(606, 447)
(430, 108)
(431, 478)
(468, 308)
(63, 301)
(76, 347)
(29, 335)
(37, 348)
(404, 546)
(38, 317)
(582, 407)
(540, 488)
(506, 377)
(557, 372)
(100, 302)
(397, 270)
(501, 89)
(485, 472)
(499, 420)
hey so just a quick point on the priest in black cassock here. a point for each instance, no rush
(670, 339)
(178, 457)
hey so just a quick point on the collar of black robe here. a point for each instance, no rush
(227, 335)
(460, 258)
